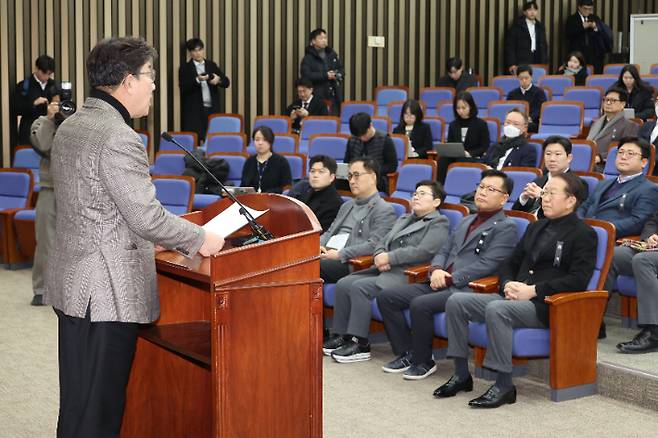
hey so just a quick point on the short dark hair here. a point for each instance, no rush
(454, 62)
(194, 43)
(468, 98)
(315, 32)
(524, 68)
(45, 63)
(326, 161)
(437, 189)
(414, 108)
(562, 141)
(369, 164)
(114, 58)
(267, 133)
(623, 94)
(359, 124)
(531, 4)
(520, 111)
(508, 183)
(585, 2)
(303, 82)
(644, 145)
(575, 186)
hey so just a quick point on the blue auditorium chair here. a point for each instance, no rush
(560, 118)
(297, 164)
(603, 81)
(591, 179)
(462, 178)
(225, 142)
(483, 95)
(445, 110)
(521, 176)
(278, 124)
(538, 72)
(26, 158)
(187, 139)
(583, 152)
(175, 193)
(235, 162)
(591, 99)
(409, 174)
(493, 124)
(168, 163)
(381, 124)
(498, 109)
(225, 123)
(394, 109)
(615, 69)
(433, 96)
(332, 145)
(506, 83)
(557, 83)
(316, 125)
(438, 127)
(351, 107)
(385, 94)
(401, 143)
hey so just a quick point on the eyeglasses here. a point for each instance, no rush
(356, 175)
(490, 189)
(421, 193)
(609, 100)
(151, 73)
(551, 194)
(627, 153)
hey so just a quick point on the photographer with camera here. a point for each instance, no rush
(42, 132)
(306, 104)
(323, 67)
(31, 101)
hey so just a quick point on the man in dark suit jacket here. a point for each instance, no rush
(323, 67)
(530, 93)
(556, 254)
(199, 80)
(475, 249)
(628, 200)
(525, 41)
(30, 96)
(306, 104)
(649, 132)
(514, 149)
(588, 34)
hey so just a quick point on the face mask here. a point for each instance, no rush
(511, 131)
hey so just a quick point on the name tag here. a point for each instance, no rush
(558, 253)
(480, 244)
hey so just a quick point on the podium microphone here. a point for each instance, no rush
(260, 233)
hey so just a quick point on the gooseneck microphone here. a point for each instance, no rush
(259, 231)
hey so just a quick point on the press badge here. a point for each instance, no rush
(480, 243)
(622, 201)
(558, 253)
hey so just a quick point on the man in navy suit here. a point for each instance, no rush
(514, 150)
(628, 200)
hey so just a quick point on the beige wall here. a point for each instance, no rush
(259, 44)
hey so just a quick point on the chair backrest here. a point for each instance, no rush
(432, 96)
(521, 176)
(603, 81)
(652, 80)
(653, 69)
(493, 124)
(446, 111)
(400, 206)
(591, 99)
(285, 143)
(351, 107)
(605, 246)
(462, 178)
(455, 213)
(438, 127)
(235, 162)
(410, 173)
(333, 145)
(615, 69)
(610, 169)
(278, 124)
(175, 193)
(297, 164)
(145, 137)
(381, 124)
(15, 188)
(538, 72)
(561, 118)
(393, 111)
(223, 122)
(584, 153)
(499, 108)
(27, 158)
(521, 219)
(319, 125)
(401, 143)
(483, 95)
(557, 83)
(506, 83)
(591, 179)
(187, 139)
(537, 145)
(169, 163)
(225, 142)
(385, 94)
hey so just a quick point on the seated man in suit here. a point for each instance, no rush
(514, 149)
(361, 222)
(475, 249)
(628, 200)
(643, 266)
(612, 125)
(415, 237)
(305, 105)
(530, 93)
(319, 192)
(557, 159)
(556, 254)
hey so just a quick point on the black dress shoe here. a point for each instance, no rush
(494, 398)
(453, 386)
(37, 300)
(644, 342)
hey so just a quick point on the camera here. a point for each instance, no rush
(66, 104)
(339, 77)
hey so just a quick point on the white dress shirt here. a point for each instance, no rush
(205, 90)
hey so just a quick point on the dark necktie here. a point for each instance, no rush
(304, 105)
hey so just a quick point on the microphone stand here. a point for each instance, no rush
(260, 232)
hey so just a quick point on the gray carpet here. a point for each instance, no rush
(359, 399)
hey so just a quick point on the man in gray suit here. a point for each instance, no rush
(101, 278)
(612, 125)
(476, 248)
(414, 239)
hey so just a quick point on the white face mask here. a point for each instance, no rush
(511, 131)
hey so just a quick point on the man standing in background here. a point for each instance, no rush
(323, 67)
(31, 101)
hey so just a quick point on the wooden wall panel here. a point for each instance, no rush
(260, 43)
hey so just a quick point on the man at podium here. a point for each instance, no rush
(101, 278)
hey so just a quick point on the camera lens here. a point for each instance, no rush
(67, 107)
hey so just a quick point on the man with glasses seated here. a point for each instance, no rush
(514, 149)
(612, 125)
(414, 239)
(628, 200)
(555, 255)
(475, 249)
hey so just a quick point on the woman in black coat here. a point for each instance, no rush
(518, 42)
(265, 171)
(419, 133)
(575, 67)
(467, 128)
(640, 94)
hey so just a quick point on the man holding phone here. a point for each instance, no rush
(305, 105)
(199, 80)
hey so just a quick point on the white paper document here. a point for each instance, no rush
(338, 241)
(230, 220)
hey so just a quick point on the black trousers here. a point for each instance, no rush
(333, 270)
(94, 364)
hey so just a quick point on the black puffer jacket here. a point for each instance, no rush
(315, 68)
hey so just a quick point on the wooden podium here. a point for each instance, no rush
(236, 351)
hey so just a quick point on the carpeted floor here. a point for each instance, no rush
(359, 399)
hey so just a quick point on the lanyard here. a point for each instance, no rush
(261, 170)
